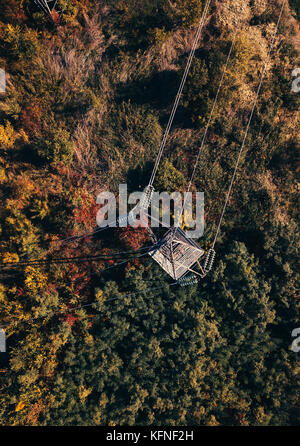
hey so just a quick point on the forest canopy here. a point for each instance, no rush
(89, 88)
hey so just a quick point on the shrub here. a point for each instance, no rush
(196, 95)
(56, 147)
(7, 136)
(130, 136)
(158, 36)
(70, 9)
(185, 12)
(20, 42)
(168, 178)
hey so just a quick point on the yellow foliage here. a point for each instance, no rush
(261, 416)
(24, 136)
(84, 393)
(20, 406)
(103, 401)
(100, 297)
(20, 40)
(35, 280)
(89, 340)
(212, 421)
(7, 136)
(155, 349)
(40, 208)
(3, 177)
(2, 292)
(187, 12)
(9, 257)
(158, 35)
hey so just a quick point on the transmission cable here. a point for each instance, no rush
(210, 117)
(248, 124)
(180, 90)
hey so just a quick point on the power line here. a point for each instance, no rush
(43, 6)
(179, 93)
(248, 125)
(94, 273)
(111, 267)
(95, 302)
(80, 236)
(37, 262)
(210, 116)
(212, 110)
(72, 238)
(75, 308)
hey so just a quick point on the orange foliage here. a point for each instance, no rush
(34, 412)
(134, 238)
(55, 17)
(70, 319)
(86, 212)
(31, 119)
